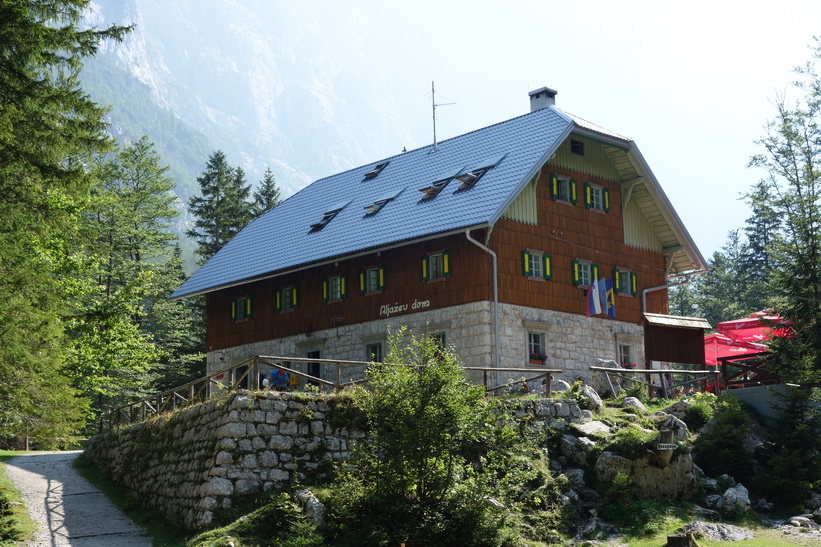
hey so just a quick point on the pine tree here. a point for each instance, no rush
(266, 197)
(49, 129)
(222, 209)
(791, 156)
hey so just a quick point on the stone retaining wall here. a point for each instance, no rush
(194, 463)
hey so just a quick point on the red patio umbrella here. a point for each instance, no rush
(718, 345)
(757, 327)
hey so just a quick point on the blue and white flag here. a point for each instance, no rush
(594, 304)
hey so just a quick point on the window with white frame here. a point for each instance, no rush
(241, 308)
(436, 266)
(585, 273)
(335, 288)
(596, 197)
(373, 280)
(286, 299)
(625, 354)
(536, 261)
(562, 188)
(374, 352)
(439, 338)
(536, 346)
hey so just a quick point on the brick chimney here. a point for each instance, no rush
(542, 98)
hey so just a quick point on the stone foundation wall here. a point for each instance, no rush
(573, 342)
(194, 463)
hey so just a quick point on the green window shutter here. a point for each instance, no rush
(248, 308)
(594, 272)
(634, 283)
(588, 198)
(617, 280)
(446, 263)
(233, 310)
(574, 192)
(525, 263)
(605, 196)
(425, 269)
(554, 186)
(293, 297)
(362, 282)
(575, 272)
(547, 270)
(278, 298)
(343, 286)
(324, 290)
(381, 285)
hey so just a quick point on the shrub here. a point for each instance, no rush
(631, 442)
(412, 480)
(701, 411)
(791, 457)
(721, 447)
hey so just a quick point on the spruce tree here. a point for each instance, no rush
(222, 209)
(49, 129)
(792, 158)
(126, 239)
(266, 196)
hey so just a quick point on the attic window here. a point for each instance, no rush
(439, 183)
(576, 147)
(377, 205)
(376, 170)
(328, 216)
(471, 177)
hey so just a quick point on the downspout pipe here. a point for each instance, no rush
(486, 249)
(662, 287)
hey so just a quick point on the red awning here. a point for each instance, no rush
(717, 346)
(757, 327)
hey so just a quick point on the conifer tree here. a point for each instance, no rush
(126, 238)
(222, 209)
(266, 196)
(792, 158)
(48, 130)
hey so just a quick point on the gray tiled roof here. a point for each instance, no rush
(283, 239)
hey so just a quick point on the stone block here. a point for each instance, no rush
(288, 428)
(217, 486)
(268, 459)
(224, 458)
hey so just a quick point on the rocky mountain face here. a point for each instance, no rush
(258, 80)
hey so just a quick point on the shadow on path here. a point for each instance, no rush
(69, 510)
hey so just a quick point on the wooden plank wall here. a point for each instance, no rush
(565, 232)
(568, 232)
(468, 282)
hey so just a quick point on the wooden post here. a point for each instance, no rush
(682, 540)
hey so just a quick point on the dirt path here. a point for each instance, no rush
(70, 511)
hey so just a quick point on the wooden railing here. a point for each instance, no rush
(247, 375)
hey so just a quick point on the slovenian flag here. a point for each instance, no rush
(593, 299)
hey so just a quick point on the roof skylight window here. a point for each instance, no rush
(329, 216)
(471, 177)
(377, 205)
(376, 170)
(433, 190)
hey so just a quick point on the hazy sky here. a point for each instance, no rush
(692, 83)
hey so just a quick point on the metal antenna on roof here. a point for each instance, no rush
(434, 105)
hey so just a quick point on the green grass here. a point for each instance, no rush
(162, 532)
(16, 525)
(764, 537)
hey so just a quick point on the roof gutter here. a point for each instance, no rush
(489, 251)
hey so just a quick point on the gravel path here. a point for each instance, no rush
(70, 511)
